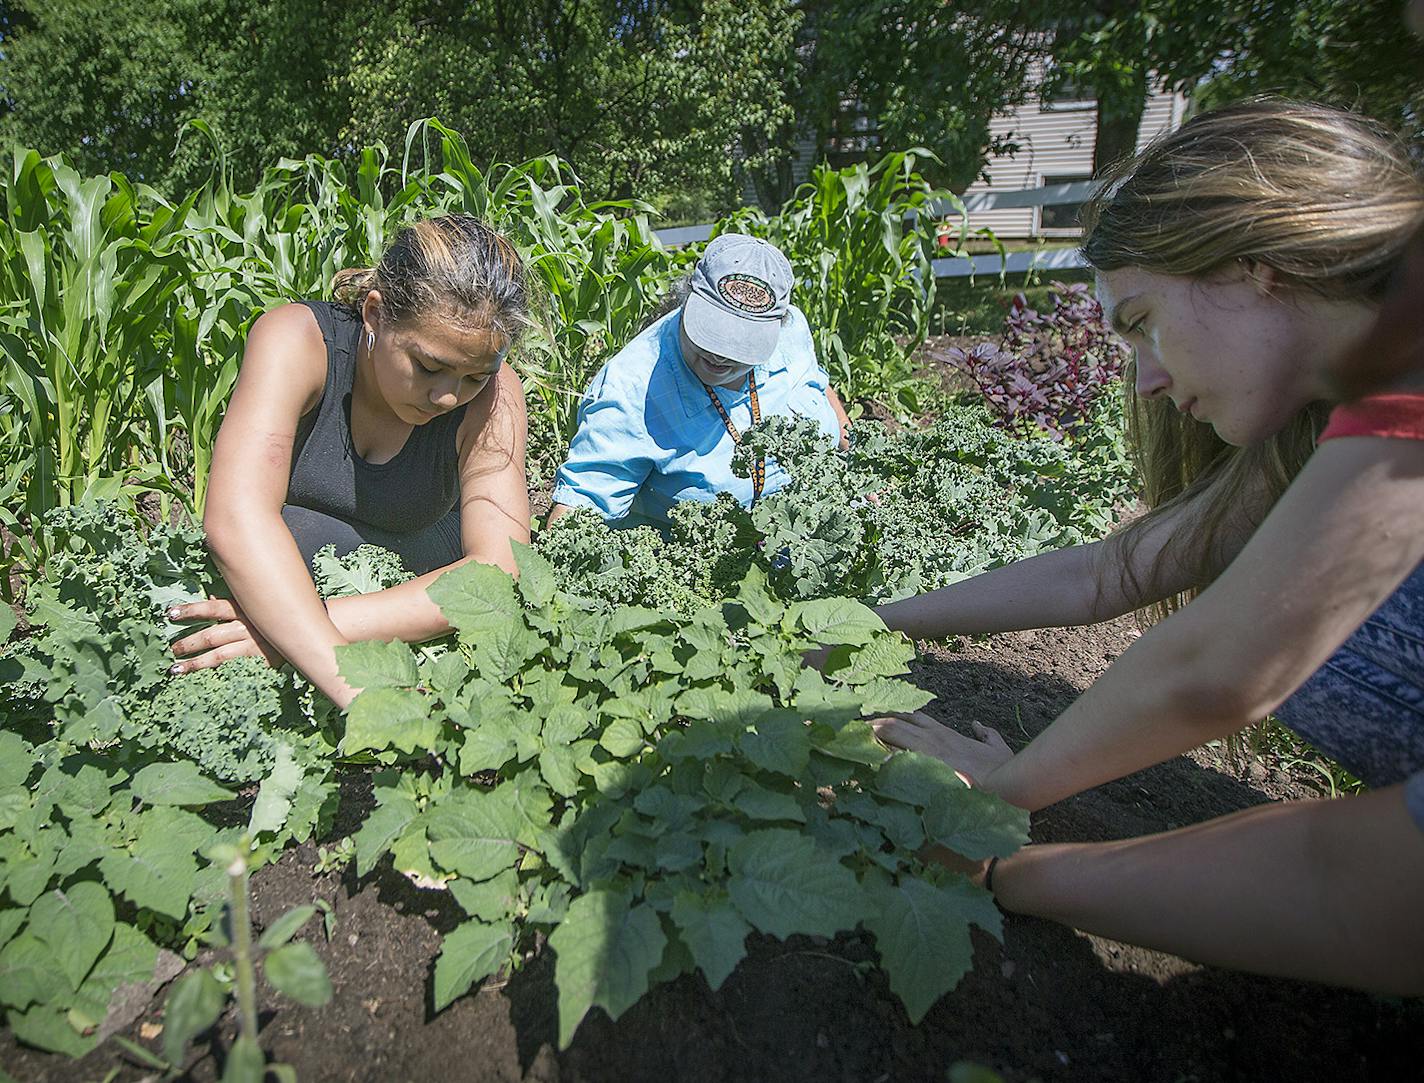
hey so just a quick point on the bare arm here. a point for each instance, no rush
(557, 511)
(1082, 584)
(1328, 891)
(283, 369)
(1340, 541)
(838, 408)
(494, 511)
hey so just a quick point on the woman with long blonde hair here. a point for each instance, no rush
(1242, 256)
(387, 416)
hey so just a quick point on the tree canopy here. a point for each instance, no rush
(681, 102)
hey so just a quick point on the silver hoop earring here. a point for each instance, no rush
(370, 341)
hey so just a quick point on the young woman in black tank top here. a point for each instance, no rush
(387, 417)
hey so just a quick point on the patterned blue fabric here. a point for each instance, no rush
(1414, 798)
(648, 436)
(1365, 706)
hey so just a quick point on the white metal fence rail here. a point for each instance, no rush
(963, 266)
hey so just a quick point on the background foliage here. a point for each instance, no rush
(123, 312)
(636, 94)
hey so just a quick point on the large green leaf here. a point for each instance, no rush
(605, 948)
(503, 647)
(385, 824)
(474, 834)
(835, 620)
(783, 885)
(623, 737)
(16, 759)
(373, 664)
(47, 1026)
(975, 823)
(756, 802)
(491, 900)
(915, 778)
(779, 743)
(922, 932)
(559, 768)
(475, 597)
(471, 953)
(153, 874)
(77, 923)
(491, 736)
(714, 932)
(855, 741)
(30, 971)
(888, 696)
(883, 656)
(130, 958)
(382, 718)
(176, 784)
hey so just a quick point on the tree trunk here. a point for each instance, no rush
(1119, 117)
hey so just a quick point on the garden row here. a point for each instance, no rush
(621, 751)
(123, 314)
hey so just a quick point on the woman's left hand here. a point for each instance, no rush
(972, 758)
(231, 635)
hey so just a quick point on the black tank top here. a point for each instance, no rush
(410, 492)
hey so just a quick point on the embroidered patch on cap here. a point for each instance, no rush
(746, 293)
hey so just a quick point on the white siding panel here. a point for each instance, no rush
(1055, 141)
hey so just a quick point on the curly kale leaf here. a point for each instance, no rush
(365, 570)
(897, 514)
(222, 718)
(632, 566)
(97, 659)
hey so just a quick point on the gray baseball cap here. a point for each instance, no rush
(741, 292)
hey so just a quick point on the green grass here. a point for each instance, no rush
(1276, 746)
(977, 306)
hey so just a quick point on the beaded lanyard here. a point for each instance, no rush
(759, 469)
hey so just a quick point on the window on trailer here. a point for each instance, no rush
(1060, 219)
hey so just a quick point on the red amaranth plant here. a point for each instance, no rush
(1049, 368)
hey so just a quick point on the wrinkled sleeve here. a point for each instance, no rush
(1414, 798)
(609, 455)
(801, 351)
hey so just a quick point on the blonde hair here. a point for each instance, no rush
(452, 265)
(1324, 197)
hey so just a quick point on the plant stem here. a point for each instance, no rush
(243, 966)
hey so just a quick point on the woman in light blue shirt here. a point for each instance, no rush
(660, 421)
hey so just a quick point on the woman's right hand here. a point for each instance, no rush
(229, 635)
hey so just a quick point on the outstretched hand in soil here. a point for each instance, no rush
(973, 758)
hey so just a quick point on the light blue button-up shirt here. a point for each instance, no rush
(648, 436)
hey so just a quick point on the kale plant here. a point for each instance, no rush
(896, 514)
(364, 570)
(106, 762)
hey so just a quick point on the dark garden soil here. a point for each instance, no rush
(1049, 1004)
